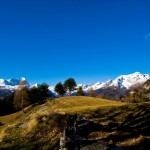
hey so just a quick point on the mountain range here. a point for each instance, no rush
(123, 81)
(126, 82)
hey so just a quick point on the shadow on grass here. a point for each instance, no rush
(136, 123)
(1, 123)
(126, 122)
(133, 122)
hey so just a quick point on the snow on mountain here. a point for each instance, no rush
(131, 80)
(123, 81)
(36, 85)
(11, 83)
(95, 86)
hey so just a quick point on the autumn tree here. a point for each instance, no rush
(80, 92)
(102, 95)
(70, 85)
(59, 89)
(21, 99)
(91, 92)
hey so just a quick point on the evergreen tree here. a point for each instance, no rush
(91, 92)
(34, 95)
(21, 99)
(59, 88)
(43, 92)
(80, 92)
(39, 94)
(9, 103)
(6, 105)
(70, 85)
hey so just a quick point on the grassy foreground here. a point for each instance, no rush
(40, 127)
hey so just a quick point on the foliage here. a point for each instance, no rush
(6, 105)
(102, 95)
(43, 92)
(138, 95)
(70, 85)
(116, 123)
(92, 93)
(21, 99)
(39, 94)
(33, 95)
(80, 92)
(59, 88)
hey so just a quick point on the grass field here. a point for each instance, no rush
(118, 124)
(80, 104)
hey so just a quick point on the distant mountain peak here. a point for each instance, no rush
(36, 85)
(123, 81)
(12, 83)
(130, 80)
(137, 73)
(22, 78)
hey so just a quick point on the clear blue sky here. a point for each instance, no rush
(89, 40)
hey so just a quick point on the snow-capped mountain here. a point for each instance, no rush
(36, 85)
(124, 81)
(131, 80)
(11, 84)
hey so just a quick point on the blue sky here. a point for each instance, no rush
(89, 40)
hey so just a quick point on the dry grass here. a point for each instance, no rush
(80, 104)
(47, 120)
(31, 124)
(8, 119)
(2, 134)
(132, 142)
(98, 135)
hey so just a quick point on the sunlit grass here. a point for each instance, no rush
(132, 142)
(80, 104)
(44, 123)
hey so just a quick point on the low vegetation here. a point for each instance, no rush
(138, 95)
(23, 97)
(40, 126)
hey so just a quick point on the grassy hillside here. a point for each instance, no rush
(80, 104)
(118, 124)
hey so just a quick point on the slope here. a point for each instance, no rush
(41, 126)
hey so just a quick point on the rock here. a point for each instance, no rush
(100, 145)
(25, 125)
